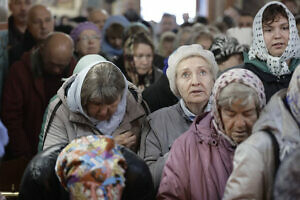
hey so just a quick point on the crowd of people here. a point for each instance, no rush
(113, 107)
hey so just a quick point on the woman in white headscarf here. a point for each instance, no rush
(96, 101)
(275, 50)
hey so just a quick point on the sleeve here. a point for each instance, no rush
(151, 152)
(13, 103)
(247, 178)
(174, 183)
(54, 131)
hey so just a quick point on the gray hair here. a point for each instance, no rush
(104, 83)
(185, 52)
(234, 91)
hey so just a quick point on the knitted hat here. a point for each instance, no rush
(75, 33)
(223, 47)
(185, 52)
(92, 167)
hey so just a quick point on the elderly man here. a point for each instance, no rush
(30, 84)
(17, 22)
(98, 17)
(39, 24)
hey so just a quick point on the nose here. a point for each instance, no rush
(277, 33)
(104, 112)
(240, 122)
(195, 79)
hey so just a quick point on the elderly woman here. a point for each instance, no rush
(139, 66)
(191, 74)
(275, 136)
(200, 160)
(275, 50)
(86, 37)
(96, 101)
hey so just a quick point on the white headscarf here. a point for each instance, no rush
(106, 127)
(258, 49)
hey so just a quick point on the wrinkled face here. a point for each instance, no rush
(194, 80)
(245, 22)
(40, 24)
(232, 61)
(19, 9)
(142, 58)
(239, 119)
(101, 111)
(98, 18)
(88, 43)
(276, 36)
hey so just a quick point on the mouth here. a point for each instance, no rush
(195, 92)
(278, 45)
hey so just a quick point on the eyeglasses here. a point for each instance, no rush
(86, 38)
(140, 56)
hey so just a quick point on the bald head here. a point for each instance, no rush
(40, 22)
(57, 51)
(98, 17)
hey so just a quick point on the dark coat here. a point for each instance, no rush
(40, 182)
(159, 94)
(24, 102)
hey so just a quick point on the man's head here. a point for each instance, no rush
(56, 51)
(245, 20)
(40, 22)
(98, 17)
(167, 23)
(19, 9)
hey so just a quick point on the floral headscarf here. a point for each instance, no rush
(258, 49)
(92, 167)
(237, 75)
(293, 95)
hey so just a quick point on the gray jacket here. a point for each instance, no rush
(62, 125)
(253, 163)
(160, 131)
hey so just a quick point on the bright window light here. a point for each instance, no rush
(154, 9)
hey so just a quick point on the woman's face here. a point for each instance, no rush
(142, 58)
(101, 111)
(88, 43)
(194, 80)
(239, 119)
(276, 35)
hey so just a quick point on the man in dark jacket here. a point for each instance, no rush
(29, 86)
(40, 24)
(17, 22)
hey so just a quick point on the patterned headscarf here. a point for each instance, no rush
(92, 167)
(258, 49)
(236, 75)
(293, 94)
(224, 46)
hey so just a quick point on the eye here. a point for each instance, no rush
(285, 27)
(203, 73)
(267, 29)
(185, 75)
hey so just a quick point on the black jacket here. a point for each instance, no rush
(39, 181)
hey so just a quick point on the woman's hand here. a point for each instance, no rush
(127, 139)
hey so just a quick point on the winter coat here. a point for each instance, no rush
(24, 102)
(160, 131)
(198, 165)
(272, 83)
(253, 174)
(63, 125)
